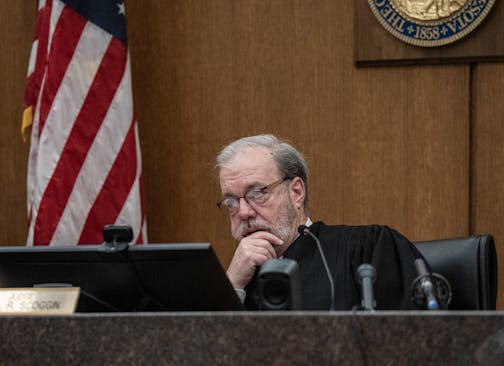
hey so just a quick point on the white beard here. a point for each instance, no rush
(282, 228)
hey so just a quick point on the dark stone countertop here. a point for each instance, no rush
(255, 338)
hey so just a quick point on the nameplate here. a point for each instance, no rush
(38, 301)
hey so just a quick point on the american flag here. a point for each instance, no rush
(84, 168)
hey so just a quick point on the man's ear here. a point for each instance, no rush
(297, 192)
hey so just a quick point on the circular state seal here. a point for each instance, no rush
(430, 23)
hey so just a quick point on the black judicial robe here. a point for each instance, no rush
(345, 248)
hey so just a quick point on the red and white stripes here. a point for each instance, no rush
(85, 164)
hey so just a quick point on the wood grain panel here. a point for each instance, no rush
(17, 24)
(401, 157)
(487, 175)
(181, 57)
(385, 145)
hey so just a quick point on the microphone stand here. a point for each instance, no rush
(304, 230)
(366, 275)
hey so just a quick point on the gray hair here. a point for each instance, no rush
(288, 159)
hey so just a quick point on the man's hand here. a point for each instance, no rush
(252, 251)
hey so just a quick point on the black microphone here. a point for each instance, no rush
(304, 230)
(425, 286)
(366, 274)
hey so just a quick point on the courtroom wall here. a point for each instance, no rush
(418, 148)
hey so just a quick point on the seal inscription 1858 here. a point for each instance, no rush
(430, 23)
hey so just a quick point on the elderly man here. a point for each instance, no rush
(264, 184)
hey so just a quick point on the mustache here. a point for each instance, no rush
(249, 227)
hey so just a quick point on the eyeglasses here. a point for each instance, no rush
(256, 196)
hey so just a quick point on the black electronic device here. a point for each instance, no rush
(279, 285)
(117, 237)
(153, 277)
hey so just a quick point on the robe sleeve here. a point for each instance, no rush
(393, 257)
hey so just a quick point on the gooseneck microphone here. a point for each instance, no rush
(304, 230)
(366, 275)
(424, 284)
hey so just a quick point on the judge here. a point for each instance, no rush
(264, 185)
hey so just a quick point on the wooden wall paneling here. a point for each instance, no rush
(402, 153)
(17, 25)
(384, 145)
(487, 175)
(180, 56)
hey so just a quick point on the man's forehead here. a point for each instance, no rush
(253, 156)
(251, 163)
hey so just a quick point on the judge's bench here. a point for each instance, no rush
(113, 335)
(255, 338)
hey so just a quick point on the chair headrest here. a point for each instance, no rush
(469, 264)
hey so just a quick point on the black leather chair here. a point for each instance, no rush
(470, 266)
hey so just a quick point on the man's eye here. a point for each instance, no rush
(229, 201)
(255, 195)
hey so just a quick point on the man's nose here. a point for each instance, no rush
(245, 209)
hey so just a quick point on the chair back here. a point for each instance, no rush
(470, 266)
